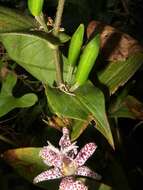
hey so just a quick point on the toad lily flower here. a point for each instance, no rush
(66, 163)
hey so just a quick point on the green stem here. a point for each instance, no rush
(57, 58)
(57, 24)
(58, 18)
(74, 87)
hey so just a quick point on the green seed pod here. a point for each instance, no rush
(75, 45)
(87, 61)
(35, 7)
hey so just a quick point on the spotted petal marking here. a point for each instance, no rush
(67, 147)
(68, 183)
(86, 172)
(65, 140)
(85, 153)
(48, 175)
(50, 157)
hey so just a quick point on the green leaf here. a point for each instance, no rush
(93, 99)
(78, 128)
(8, 102)
(11, 21)
(34, 52)
(87, 104)
(8, 83)
(117, 73)
(65, 105)
(130, 107)
(27, 163)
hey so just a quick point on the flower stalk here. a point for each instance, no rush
(58, 18)
(56, 30)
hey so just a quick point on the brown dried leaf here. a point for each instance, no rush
(115, 45)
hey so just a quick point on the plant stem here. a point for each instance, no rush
(57, 58)
(74, 87)
(57, 51)
(58, 18)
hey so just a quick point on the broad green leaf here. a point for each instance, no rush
(78, 127)
(25, 160)
(65, 105)
(14, 21)
(11, 21)
(8, 83)
(118, 73)
(34, 53)
(8, 102)
(87, 102)
(130, 107)
(27, 163)
(93, 99)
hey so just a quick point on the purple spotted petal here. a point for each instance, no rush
(68, 183)
(86, 172)
(65, 143)
(53, 173)
(50, 157)
(85, 153)
(65, 140)
(78, 185)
